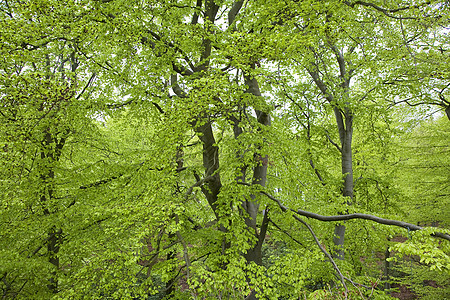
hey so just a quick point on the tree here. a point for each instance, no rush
(40, 112)
(182, 174)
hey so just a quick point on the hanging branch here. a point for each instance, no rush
(336, 268)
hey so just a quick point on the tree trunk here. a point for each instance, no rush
(50, 154)
(251, 206)
(345, 128)
(53, 244)
(344, 120)
(387, 284)
(211, 165)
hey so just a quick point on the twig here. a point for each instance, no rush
(332, 142)
(198, 183)
(285, 232)
(336, 268)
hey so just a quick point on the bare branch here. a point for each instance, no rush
(176, 87)
(91, 79)
(316, 171)
(199, 182)
(385, 11)
(376, 219)
(332, 142)
(286, 233)
(336, 268)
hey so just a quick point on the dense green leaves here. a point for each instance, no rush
(154, 149)
(423, 172)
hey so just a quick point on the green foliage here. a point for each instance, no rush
(429, 253)
(423, 172)
(142, 144)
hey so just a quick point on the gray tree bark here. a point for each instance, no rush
(344, 122)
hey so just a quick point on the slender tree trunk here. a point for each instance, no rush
(259, 174)
(344, 120)
(53, 244)
(387, 269)
(50, 154)
(211, 165)
(170, 284)
(345, 127)
(47, 178)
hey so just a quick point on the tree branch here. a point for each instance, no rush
(332, 142)
(385, 11)
(286, 233)
(199, 182)
(376, 219)
(234, 11)
(91, 79)
(176, 87)
(179, 69)
(336, 268)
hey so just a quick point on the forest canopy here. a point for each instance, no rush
(217, 149)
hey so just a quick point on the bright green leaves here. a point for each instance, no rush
(422, 174)
(148, 175)
(430, 253)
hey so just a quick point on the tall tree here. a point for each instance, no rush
(39, 88)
